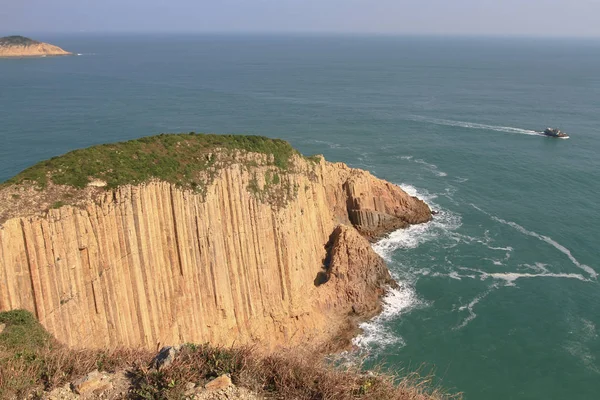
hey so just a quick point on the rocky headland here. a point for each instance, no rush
(19, 46)
(218, 239)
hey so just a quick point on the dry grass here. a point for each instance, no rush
(291, 374)
(31, 361)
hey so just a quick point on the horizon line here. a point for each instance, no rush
(307, 33)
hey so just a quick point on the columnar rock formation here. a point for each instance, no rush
(19, 46)
(240, 263)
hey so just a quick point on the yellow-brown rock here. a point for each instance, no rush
(18, 46)
(155, 264)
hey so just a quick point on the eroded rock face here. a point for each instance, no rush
(356, 276)
(376, 207)
(153, 265)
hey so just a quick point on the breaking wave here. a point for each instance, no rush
(443, 223)
(374, 332)
(401, 300)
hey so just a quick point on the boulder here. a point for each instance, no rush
(93, 383)
(165, 357)
(222, 382)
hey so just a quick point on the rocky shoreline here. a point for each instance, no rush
(272, 250)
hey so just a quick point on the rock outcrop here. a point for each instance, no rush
(251, 259)
(19, 46)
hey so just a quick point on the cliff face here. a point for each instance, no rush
(18, 46)
(254, 258)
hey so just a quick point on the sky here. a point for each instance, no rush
(447, 17)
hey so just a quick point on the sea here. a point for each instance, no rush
(498, 295)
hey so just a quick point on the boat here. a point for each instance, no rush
(554, 132)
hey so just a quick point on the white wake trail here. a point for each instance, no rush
(474, 125)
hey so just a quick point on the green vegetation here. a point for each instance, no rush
(58, 204)
(22, 332)
(275, 191)
(174, 158)
(16, 41)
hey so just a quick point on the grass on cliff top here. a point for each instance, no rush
(174, 158)
(17, 41)
(31, 361)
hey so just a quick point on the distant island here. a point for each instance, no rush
(19, 46)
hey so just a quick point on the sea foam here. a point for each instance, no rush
(441, 224)
(404, 298)
(589, 270)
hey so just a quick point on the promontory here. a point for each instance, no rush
(221, 239)
(19, 46)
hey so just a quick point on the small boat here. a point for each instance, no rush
(554, 132)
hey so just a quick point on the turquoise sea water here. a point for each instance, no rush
(499, 294)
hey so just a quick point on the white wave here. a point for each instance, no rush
(582, 352)
(511, 277)
(537, 267)
(430, 167)
(551, 242)
(455, 275)
(583, 333)
(395, 302)
(498, 248)
(474, 125)
(469, 307)
(543, 238)
(409, 238)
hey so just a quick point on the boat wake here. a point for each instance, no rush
(474, 125)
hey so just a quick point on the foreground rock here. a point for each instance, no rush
(117, 386)
(263, 253)
(95, 385)
(19, 46)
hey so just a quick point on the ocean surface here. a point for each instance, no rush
(499, 295)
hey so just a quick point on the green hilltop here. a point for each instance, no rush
(174, 158)
(17, 41)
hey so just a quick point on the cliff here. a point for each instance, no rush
(241, 240)
(19, 46)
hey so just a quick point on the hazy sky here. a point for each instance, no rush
(487, 17)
